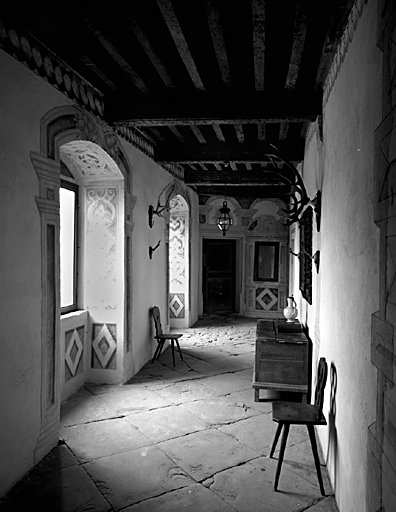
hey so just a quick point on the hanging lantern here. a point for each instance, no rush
(224, 221)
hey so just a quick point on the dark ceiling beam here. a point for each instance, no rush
(148, 48)
(197, 132)
(118, 58)
(259, 191)
(262, 183)
(283, 129)
(258, 107)
(98, 72)
(218, 132)
(176, 32)
(239, 133)
(157, 134)
(220, 152)
(176, 132)
(186, 120)
(261, 131)
(216, 32)
(300, 30)
(258, 13)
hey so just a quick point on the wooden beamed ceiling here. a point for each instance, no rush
(207, 82)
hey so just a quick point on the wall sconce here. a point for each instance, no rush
(158, 211)
(152, 249)
(224, 221)
(315, 258)
(167, 192)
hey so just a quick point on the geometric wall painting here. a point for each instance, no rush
(267, 299)
(176, 305)
(104, 346)
(74, 350)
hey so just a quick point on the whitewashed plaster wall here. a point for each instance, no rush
(312, 174)
(25, 98)
(149, 277)
(349, 243)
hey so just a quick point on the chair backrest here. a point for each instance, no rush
(157, 320)
(321, 379)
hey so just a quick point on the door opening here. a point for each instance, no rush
(219, 275)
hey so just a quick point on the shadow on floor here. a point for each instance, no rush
(189, 437)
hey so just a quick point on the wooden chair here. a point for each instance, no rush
(161, 337)
(289, 413)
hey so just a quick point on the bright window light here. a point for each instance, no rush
(67, 246)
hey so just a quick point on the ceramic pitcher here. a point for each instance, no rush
(290, 312)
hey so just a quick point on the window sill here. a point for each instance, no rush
(73, 314)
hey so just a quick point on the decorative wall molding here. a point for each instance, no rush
(176, 170)
(51, 68)
(135, 138)
(48, 173)
(347, 37)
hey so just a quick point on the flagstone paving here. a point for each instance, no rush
(189, 437)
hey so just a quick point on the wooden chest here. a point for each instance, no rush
(282, 358)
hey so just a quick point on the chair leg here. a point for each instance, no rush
(157, 350)
(178, 347)
(311, 432)
(281, 454)
(275, 442)
(173, 351)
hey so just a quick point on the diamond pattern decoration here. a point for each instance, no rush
(266, 298)
(104, 345)
(74, 352)
(176, 305)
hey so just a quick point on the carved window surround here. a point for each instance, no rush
(48, 173)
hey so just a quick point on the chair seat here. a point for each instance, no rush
(168, 336)
(299, 414)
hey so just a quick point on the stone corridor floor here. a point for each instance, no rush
(184, 438)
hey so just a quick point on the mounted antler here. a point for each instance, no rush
(167, 192)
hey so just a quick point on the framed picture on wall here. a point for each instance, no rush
(305, 260)
(266, 261)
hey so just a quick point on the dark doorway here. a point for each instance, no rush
(218, 275)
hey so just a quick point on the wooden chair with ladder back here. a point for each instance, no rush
(293, 413)
(161, 337)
